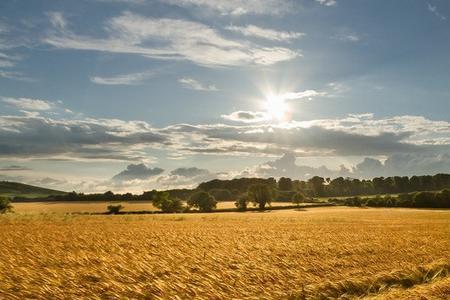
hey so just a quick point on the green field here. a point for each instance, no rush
(16, 189)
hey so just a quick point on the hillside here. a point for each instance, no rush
(12, 189)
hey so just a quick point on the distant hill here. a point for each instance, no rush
(12, 189)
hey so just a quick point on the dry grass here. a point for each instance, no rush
(315, 254)
(99, 206)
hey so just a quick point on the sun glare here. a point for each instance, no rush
(276, 107)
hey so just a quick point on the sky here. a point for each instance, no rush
(131, 95)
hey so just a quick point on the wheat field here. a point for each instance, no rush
(98, 206)
(319, 253)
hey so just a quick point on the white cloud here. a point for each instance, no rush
(352, 135)
(57, 20)
(327, 2)
(265, 33)
(193, 84)
(308, 94)
(14, 76)
(77, 138)
(176, 39)
(28, 103)
(347, 36)
(6, 63)
(240, 7)
(351, 38)
(247, 116)
(434, 10)
(125, 1)
(126, 79)
(7, 60)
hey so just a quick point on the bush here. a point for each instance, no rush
(162, 201)
(284, 196)
(298, 198)
(5, 205)
(354, 201)
(443, 199)
(114, 209)
(203, 201)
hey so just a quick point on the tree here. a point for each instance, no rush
(149, 195)
(285, 184)
(414, 182)
(260, 194)
(114, 209)
(108, 195)
(378, 184)
(241, 202)
(5, 205)
(162, 201)
(298, 198)
(203, 201)
(221, 194)
(424, 199)
(317, 185)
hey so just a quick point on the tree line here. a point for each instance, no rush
(440, 199)
(260, 191)
(325, 187)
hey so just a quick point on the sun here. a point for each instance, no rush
(276, 107)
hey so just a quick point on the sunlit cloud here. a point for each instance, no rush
(57, 20)
(308, 94)
(13, 75)
(247, 117)
(28, 103)
(265, 33)
(181, 40)
(327, 2)
(125, 79)
(240, 7)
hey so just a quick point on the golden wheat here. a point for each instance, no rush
(98, 206)
(321, 253)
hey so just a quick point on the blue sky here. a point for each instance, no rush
(203, 89)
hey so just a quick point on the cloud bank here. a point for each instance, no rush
(172, 39)
(137, 171)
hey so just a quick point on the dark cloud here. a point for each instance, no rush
(304, 141)
(190, 172)
(25, 136)
(247, 116)
(14, 168)
(138, 171)
(49, 182)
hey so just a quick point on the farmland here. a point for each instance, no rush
(308, 254)
(97, 206)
